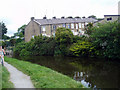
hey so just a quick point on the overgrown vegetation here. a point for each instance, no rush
(101, 41)
(106, 39)
(43, 77)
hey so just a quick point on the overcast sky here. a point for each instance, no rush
(15, 13)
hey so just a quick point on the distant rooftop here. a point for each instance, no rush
(64, 20)
(111, 15)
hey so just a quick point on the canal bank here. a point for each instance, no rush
(91, 72)
(43, 77)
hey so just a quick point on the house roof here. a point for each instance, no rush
(110, 15)
(64, 20)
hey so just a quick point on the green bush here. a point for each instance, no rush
(19, 47)
(106, 39)
(64, 38)
(24, 52)
(82, 48)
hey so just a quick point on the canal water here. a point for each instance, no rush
(92, 73)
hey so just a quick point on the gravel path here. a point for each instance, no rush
(19, 79)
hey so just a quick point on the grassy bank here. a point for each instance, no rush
(43, 77)
(5, 79)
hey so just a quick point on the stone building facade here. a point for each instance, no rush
(47, 27)
(108, 18)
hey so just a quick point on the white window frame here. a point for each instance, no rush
(64, 25)
(43, 28)
(80, 26)
(76, 26)
(72, 25)
(68, 26)
(83, 25)
(73, 31)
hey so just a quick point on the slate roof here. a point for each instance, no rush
(65, 20)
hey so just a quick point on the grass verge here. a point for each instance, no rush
(43, 77)
(5, 79)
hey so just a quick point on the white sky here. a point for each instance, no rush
(15, 13)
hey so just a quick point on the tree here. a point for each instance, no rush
(106, 39)
(82, 48)
(20, 31)
(88, 29)
(64, 38)
(5, 37)
(3, 29)
(92, 16)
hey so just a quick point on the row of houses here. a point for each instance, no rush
(47, 27)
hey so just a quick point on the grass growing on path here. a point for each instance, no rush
(5, 79)
(43, 77)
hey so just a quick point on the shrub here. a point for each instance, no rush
(64, 38)
(82, 48)
(106, 39)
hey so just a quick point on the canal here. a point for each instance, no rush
(90, 72)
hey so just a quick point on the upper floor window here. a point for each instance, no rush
(72, 26)
(68, 26)
(64, 25)
(86, 23)
(76, 26)
(79, 25)
(108, 19)
(43, 28)
(82, 25)
(54, 27)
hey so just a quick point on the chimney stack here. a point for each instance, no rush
(45, 17)
(32, 18)
(54, 17)
(62, 17)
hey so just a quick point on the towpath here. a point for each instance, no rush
(19, 79)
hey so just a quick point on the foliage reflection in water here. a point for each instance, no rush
(90, 72)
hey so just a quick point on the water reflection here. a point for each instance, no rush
(91, 73)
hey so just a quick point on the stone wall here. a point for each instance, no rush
(32, 29)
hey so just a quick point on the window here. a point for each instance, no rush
(54, 27)
(108, 19)
(68, 26)
(72, 26)
(64, 25)
(79, 25)
(33, 36)
(86, 23)
(81, 31)
(59, 25)
(76, 26)
(43, 28)
(54, 34)
(72, 31)
(82, 25)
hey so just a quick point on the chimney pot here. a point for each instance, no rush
(54, 17)
(62, 17)
(32, 18)
(45, 17)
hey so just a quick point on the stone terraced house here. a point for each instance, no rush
(47, 27)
